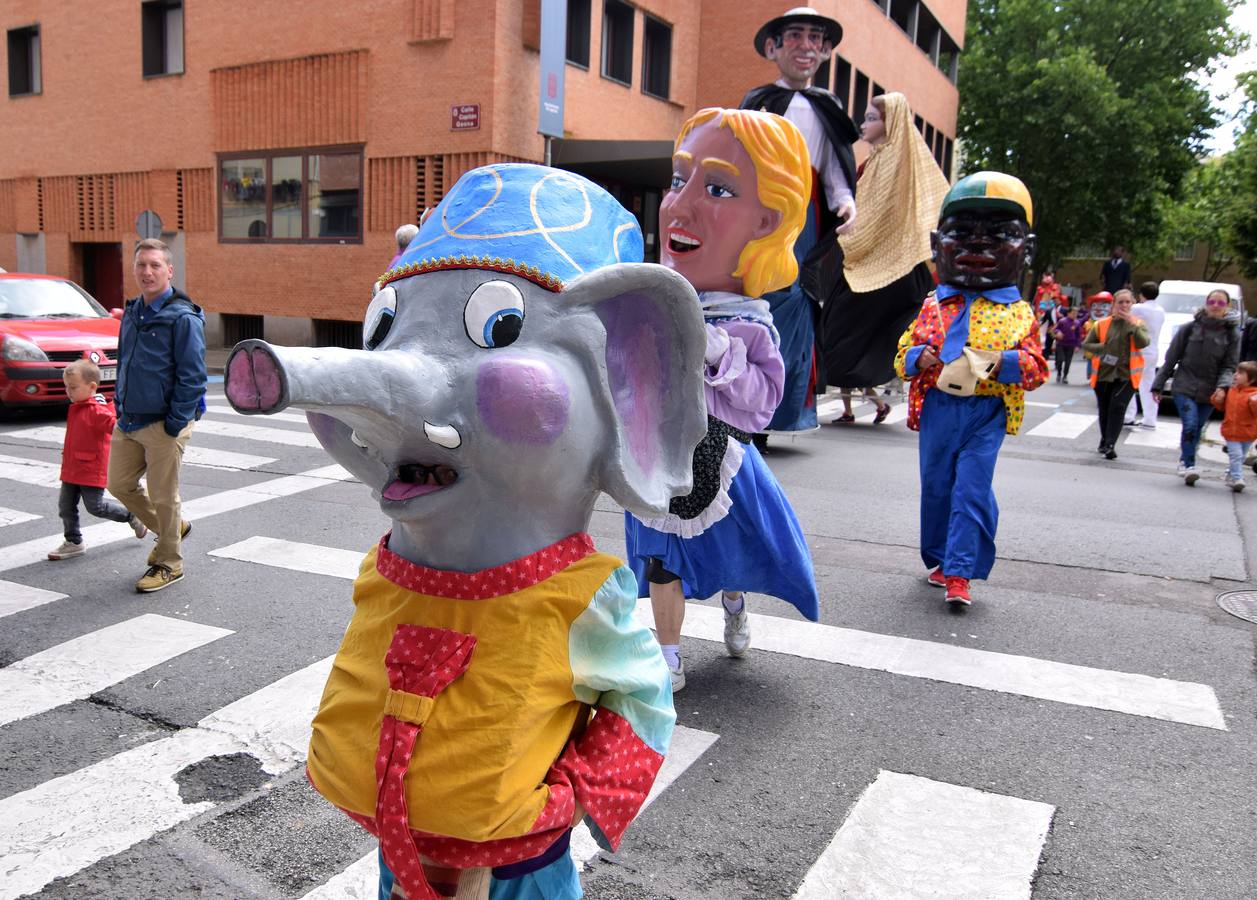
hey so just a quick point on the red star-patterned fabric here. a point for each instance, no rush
(421, 663)
(504, 579)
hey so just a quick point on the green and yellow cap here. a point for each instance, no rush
(989, 190)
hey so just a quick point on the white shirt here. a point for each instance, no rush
(1153, 316)
(820, 150)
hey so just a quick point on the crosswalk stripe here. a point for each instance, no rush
(1062, 425)
(1167, 436)
(294, 556)
(361, 880)
(68, 823)
(16, 516)
(28, 552)
(80, 667)
(223, 408)
(909, 836)
(16, 598)
(207, 457)
(258, 433)
(1138, 695)
(30, 471)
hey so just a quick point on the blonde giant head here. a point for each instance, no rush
(783, 174)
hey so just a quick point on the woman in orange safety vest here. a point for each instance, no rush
(1116, 364)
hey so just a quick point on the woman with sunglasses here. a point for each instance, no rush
(1201, 360)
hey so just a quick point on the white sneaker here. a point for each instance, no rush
(678, 676)
(1181, 470)
(67, 549)
(1151, 426)
(1236, 484)
(138, 527)
(737, 632)
(1190, 476)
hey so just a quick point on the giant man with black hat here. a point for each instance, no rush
(798, 42)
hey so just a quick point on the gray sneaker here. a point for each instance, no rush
(678, 676)
(1190, 476)
(67, 549)
(138, 527)
(1236, 484)
(737, 632)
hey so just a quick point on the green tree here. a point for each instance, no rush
(1240, 229)
(1094, 106)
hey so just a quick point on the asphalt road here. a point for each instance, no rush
(1085, 730)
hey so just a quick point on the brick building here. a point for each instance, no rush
(281, 143)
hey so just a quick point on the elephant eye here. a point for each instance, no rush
(379, 318)
(494, 315)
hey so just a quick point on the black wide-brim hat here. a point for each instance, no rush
(833, 31)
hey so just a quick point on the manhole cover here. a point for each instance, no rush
(1242, 604)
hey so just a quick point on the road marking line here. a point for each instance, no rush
(26, 553)
(223, 408)
(909, 836)
(258, 433)
(206, 457)
(30, 471)
(16, 598)
(1138, 695)
(295, 556)
(1062, 425)
(80, 667)
(16, 516)
(68, 823)
(1042, 404)
(1161, 437)
(361, 881)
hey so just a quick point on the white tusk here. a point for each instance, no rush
(357, 441)
(446, 436)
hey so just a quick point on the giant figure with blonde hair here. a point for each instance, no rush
(737, 202)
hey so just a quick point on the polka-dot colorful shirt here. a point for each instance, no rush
(992, 326)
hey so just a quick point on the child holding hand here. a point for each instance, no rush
(85, 459)
(1239, 425)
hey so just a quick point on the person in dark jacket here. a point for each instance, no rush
(160, 392)
(1115, 273)
(1201, 360)
(1113, 346)
(1068, 332)
(1248, 343)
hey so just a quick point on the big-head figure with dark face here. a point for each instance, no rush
(971, 355)
(799, 41)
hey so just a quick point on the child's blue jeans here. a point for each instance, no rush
(1236, 451)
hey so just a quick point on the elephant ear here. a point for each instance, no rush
(650, 372)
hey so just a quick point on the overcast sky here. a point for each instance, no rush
(1223, 83)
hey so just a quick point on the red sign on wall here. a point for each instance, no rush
(465, 117)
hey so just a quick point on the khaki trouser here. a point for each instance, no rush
(155, 454)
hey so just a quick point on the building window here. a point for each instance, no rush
(929, 136)
(860, 102)
(338, 333)
(903, 13)
(291, 195)
(878, 90)
(237, 328)
(24, 66)
(920, 123)
(617, 41)
(1185, 252)
(162, 22)
(842, 80)
(656, 57)
(947, 157)
(821, 78)
(578, 32)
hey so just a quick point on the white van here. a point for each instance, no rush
(1181, 299)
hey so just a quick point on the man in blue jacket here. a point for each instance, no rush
(160, 392)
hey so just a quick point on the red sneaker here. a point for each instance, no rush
(958, 591)
(936, 578)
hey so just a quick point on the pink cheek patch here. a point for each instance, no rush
(522, 401)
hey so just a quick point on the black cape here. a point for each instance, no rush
(839, 128)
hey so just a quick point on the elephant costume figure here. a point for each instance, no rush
(494, 686)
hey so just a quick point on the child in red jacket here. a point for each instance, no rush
(85, 459)
(1239, 424)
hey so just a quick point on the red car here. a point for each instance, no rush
(47, 322)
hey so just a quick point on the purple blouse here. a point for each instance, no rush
(743, 386)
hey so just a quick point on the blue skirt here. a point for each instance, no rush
(748, 539)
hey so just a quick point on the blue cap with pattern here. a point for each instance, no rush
(543, 224)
